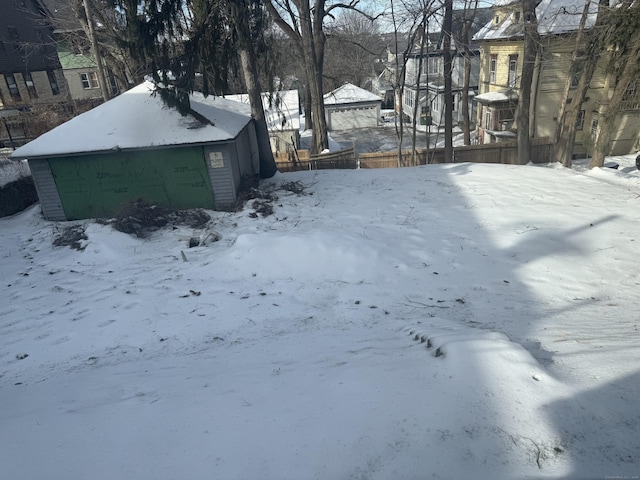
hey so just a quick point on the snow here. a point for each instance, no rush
(349, 93)
(444, 321)
(491, 97)
(554, 17)
(138, 119)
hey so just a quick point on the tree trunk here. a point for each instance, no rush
(526, 80)
(251, 81)
(466, 118)
(416, 103)
(448, 94)
(308, 122)
(468, 19)
(95, 49)
(583, 63)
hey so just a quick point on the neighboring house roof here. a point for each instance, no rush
(139, 119)
(490, 98)
(281, 109)
(349, 93)
(478, 17)
(26, 38)
(70, 60)
(554, 17)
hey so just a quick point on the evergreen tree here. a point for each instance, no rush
(187, 41)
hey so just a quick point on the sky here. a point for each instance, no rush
(444, 321)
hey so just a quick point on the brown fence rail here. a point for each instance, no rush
(341, 159)
(292, 161)
(301, 160)
(505, 153)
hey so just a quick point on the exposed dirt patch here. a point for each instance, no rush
(141, 218)
(72, 236)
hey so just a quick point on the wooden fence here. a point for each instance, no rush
(506, 153)
(301, 160)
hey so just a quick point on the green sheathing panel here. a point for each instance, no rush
(100, 185)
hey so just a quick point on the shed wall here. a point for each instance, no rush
(100, 185)
(220, 158)
(46, 188)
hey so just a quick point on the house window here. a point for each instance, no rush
(516, 16)
(580, 120)
(493, 65)
(89, 80)
(13, 86)
(410, 98)
(506, 116)
(113, 84)
(497, 19)
(513, 70)
(487, 120)
(631, 91)
(434, 65)
(28, 82)
(52, 81)
(630, 99)
(594, 127)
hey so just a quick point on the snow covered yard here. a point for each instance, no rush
(446, 321)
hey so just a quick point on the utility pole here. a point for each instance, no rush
(104, 87)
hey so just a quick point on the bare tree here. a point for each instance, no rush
(447, 27)
(584, 59)
(468, 20)
(410, 22)
(248, 18)
(624, 38)
(353, 44)
(303, 21)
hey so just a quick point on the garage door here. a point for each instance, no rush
(350, 118)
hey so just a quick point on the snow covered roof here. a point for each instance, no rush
(349, 93)
(497, 97)
(554, 17)
(282, 109)
(138, 119)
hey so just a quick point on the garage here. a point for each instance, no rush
(350, 107)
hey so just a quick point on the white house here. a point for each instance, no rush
(282, 113)
(349, 107)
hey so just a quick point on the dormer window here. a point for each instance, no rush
(516, 16)
(497, 19)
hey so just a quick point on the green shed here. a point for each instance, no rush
(133, 147)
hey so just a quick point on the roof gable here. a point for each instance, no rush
(139, 119)
(349, 93)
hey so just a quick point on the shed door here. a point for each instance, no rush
(100, 185)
